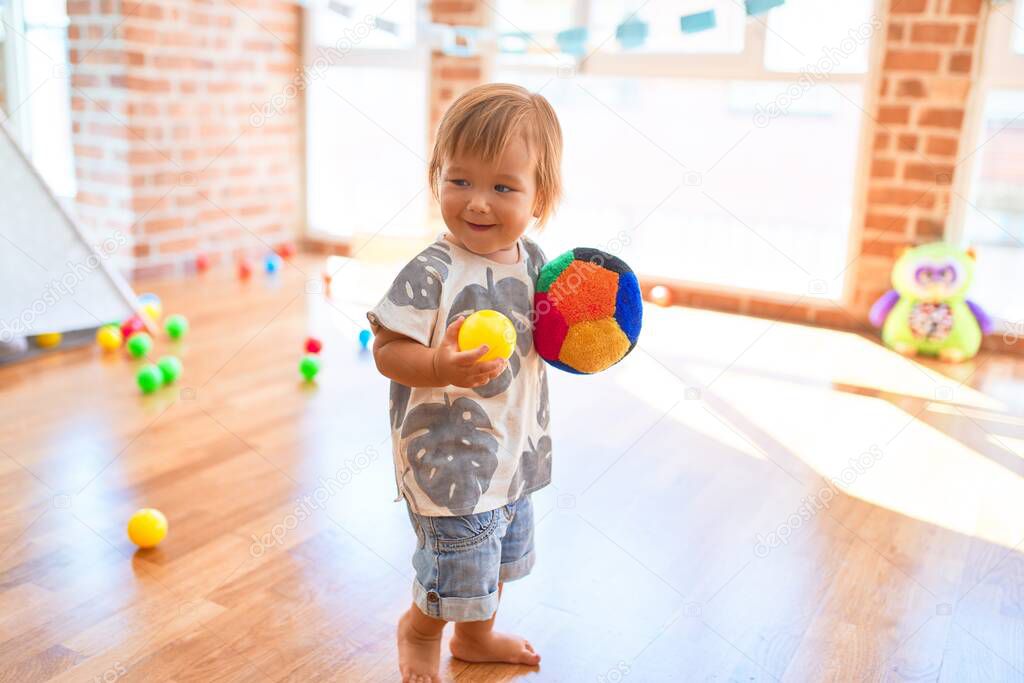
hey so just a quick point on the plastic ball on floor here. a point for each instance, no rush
(244, 269)
(170, 369)
(202, 263)
(285, 250)
(309, 366)
(491, 328)
(272, 263)
(364, 338)
(147, 527)
(176, 326)
(48, 340)
(149, 378)
(313, 345)
(151, 306)
(131, 326)
(109, 337)
(140, 344)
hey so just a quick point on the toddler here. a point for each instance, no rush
(470, 437)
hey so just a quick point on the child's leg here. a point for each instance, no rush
(419, 646)
(475, 630)
(477, 641)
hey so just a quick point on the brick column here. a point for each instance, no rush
(186, 126)
(452, 76)
(928, 68)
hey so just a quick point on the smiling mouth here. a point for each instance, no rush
(479, 226)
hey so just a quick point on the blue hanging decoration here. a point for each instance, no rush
(632, 33)
(386, 26)
(342, 8)
(695, 23)
(572, 41)
(514, 42)
(460, 41)
(755, 7)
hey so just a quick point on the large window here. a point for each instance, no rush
(993, 206)
(35, 78)
(724, 155)
(366, 90)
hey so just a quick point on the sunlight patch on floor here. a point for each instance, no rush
(881, 454)
(811, 354)
(651, 383)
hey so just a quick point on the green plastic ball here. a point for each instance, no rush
(176, 326)
(309, 366)
(139, 344)
(149, 378)
(170, 368)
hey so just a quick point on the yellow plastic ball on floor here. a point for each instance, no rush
(153, 311)
(147, 527)
(48, 340)
(491, 328)
(109, 337)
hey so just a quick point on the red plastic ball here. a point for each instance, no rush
(202, 263)
(244, 269)
(286, 250)
(131, 326)
(313, 345)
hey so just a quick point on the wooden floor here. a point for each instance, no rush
(691, 533)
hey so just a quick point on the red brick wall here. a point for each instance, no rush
(186, 126)
(927, 72)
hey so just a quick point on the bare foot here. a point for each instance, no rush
(494, 647)
(419, 655)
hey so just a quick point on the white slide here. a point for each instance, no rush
(53, 278)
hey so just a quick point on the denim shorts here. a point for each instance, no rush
(460, 560)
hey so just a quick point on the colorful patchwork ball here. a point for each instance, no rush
(588, 311)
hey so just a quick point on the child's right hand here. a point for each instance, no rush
(461, 367)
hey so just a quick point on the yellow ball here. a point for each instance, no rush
(153, 310)
(48, 340)
(147, 527)
(109, 337)
(491, 328)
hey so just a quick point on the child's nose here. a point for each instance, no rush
(478, 203)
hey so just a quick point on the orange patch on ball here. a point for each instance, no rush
(585, 291)
(593, 345)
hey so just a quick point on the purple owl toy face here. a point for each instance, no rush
(933, 272)
(937, 278)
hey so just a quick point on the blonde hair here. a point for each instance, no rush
(485, 119)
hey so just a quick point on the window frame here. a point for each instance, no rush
(998, 67)
(15, 68)
(17, 91)
(747, 65)
(416, 56)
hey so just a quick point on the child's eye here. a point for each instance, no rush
(459, 182)
(502, 188)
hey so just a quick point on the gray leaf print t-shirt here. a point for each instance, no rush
(464, 451)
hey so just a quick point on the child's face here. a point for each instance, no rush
(488, 206)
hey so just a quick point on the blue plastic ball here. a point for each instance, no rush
(364, 338)
(273, 262)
